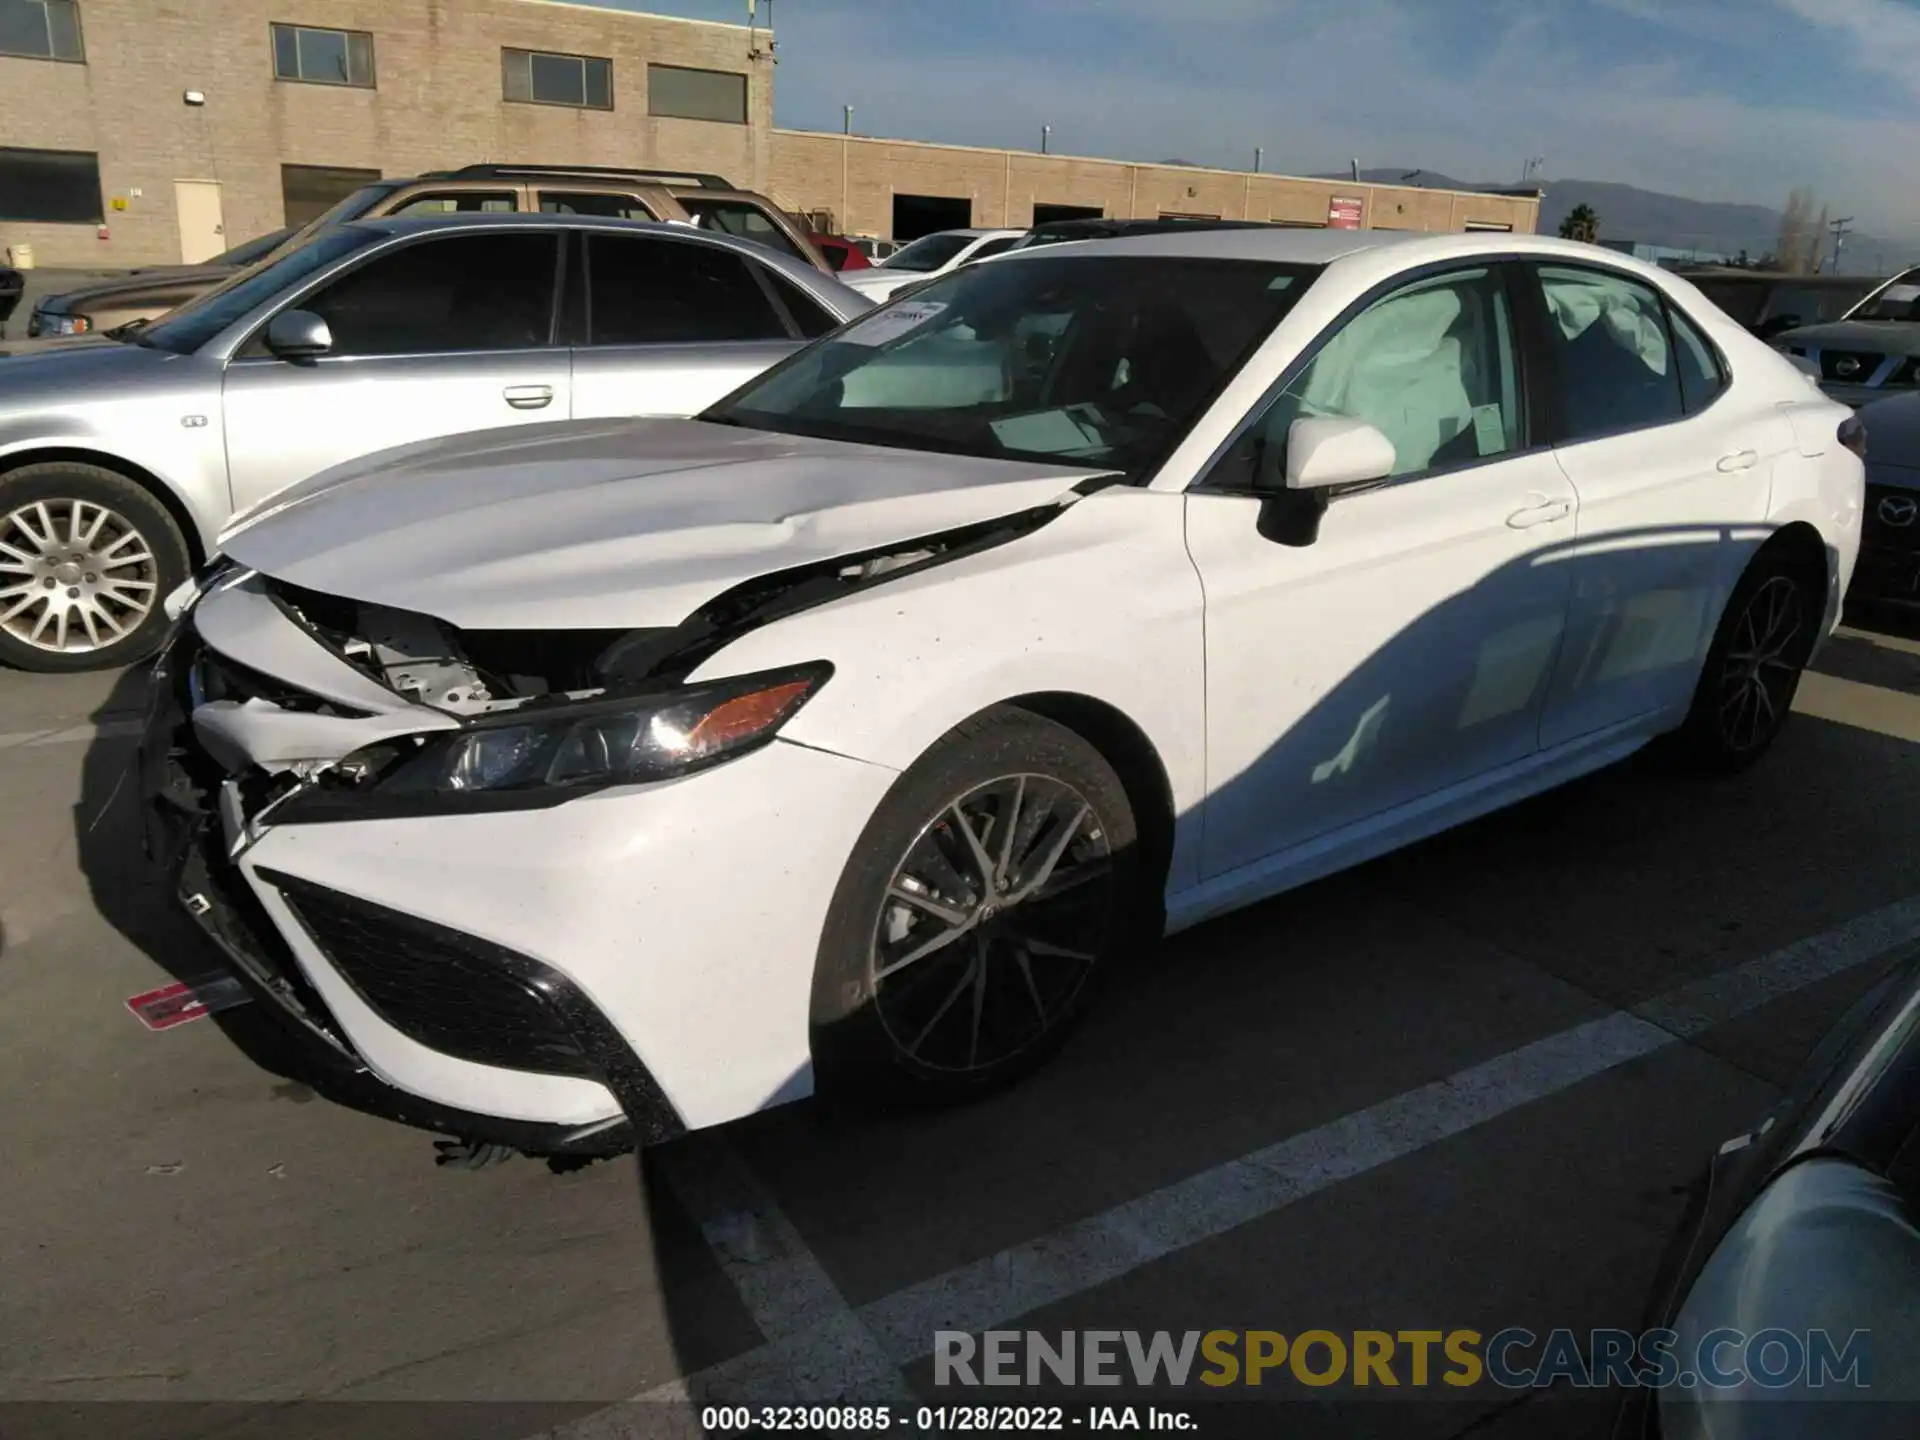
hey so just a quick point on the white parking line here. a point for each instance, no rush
(809, 1340)
(72, 735)
(1865, 707)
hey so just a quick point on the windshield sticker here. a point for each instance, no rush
(1489, 429)
(1048, 432)
(892, 322)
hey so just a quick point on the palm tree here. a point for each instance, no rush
(1581, 224)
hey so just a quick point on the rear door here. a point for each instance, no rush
(445, 335)
(671, 325)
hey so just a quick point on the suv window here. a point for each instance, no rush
(1431, 366)
(741, 218)
(647, 291)
(813, 318)
(450, 293)
(588, 202)
(1616, 364)
(994, 247)
(460, 202)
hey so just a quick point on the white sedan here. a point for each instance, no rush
(592, 782)
(930, 255)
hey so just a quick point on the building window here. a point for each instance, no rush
(59, 187)
(536, 78)
(323, 57)
(308, 191)
(41, 29)
(684, 94)
(1474, 226)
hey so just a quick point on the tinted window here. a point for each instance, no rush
(1616, 366)
(309, 191)
(40, 29)
(657, 292)
(697, 94)
(929, 252)
(460, 202)
(1096, 361)
(813, 318)
(608, 207)
(1701, 380)
(59, 186)
(322, 57)
(458, 292)
(1431, 367)
(199, 320)
(738, 217)
(994, 247)
(580, 80)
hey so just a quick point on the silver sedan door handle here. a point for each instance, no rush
(529, 397)
(1540, 511)
(1740, 460)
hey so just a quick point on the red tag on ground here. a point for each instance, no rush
(182, 1001)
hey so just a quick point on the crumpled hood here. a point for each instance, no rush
(1880, 337)
(625, 523)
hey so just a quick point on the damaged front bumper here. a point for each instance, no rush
(569, 978)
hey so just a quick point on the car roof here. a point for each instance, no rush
(1323, 247)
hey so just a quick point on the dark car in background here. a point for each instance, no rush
(142, 294)
(1888, 571)
(1872, 351)
(1807, 1227)
(1769, 302)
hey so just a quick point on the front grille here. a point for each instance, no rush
(451, 992)
(1849, 367)
(1892, 520)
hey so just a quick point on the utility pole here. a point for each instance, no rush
(1839, 228)
(1046, 136)
(1259, 154)
(846, 124)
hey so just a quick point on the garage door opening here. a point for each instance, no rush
(917, 215)
(1044, 214)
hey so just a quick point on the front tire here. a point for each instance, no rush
(993, 889)
(86, 559)
(1753, 667)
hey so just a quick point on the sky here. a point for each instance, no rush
(1712, 99)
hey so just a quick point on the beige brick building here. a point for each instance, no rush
(151, 131)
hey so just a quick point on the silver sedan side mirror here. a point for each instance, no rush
(298, 335)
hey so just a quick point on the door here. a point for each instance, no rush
(203, 229)
(672, 326)
(1666, 464)
(1407, 648)
(433, 337)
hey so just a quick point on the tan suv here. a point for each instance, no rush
(689, 197)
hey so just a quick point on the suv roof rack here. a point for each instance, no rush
(502, 172)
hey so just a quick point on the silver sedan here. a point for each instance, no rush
(123, 455)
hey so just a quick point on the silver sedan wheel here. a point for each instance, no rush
(992, 923)
(74, 576)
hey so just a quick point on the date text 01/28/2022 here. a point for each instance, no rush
(934, 1419)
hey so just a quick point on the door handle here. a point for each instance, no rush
(1739, 460)
(1541, 511)
(529, 397)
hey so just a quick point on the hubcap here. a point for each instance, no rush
(1762, 664)
(992, 923)
(74, 576)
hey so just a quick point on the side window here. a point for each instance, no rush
(1701, 380)
(737, 217)
(456, 293)
(459, 202)
(993, 247)
(1431, 367)
(1616, 368)
(588, 202)
(813, 318)
(645, 291)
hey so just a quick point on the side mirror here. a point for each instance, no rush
(1322, 453)
(298, 335)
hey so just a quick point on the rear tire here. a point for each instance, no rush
(86, 559)
(954, 962)
(1753, 667)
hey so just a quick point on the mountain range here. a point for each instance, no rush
(1629, 213)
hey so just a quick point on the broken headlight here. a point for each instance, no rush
(545, 754)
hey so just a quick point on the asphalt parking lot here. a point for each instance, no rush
(1461, 1087)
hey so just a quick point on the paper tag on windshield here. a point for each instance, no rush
(891, 322)
(1489, 430)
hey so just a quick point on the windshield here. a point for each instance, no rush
(252, 250)
(351, 208)
(929, 252)
(200, 319)
(1898, 299)
(1100, 361)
